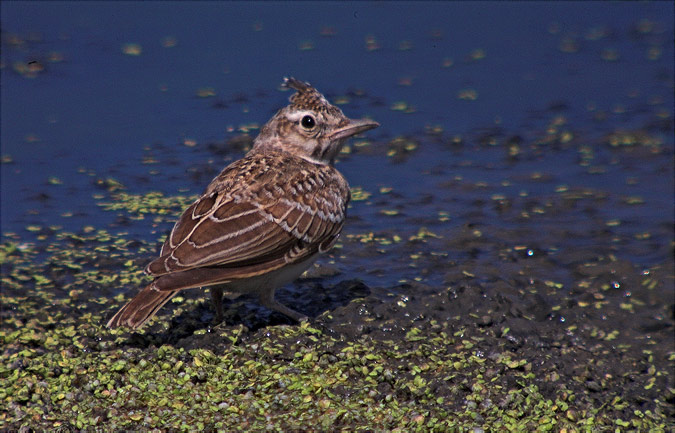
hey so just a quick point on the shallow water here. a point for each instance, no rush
(493, 116)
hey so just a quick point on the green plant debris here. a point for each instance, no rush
(151, 203)
(379, 362)
(359, 194)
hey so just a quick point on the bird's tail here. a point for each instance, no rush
(141, 308)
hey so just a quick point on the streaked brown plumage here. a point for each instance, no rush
(264, 219)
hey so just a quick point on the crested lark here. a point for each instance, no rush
(264, 219)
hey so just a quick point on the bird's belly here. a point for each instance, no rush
(268, 281)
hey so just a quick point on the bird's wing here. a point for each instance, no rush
(258, 210)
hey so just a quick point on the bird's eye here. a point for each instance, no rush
(308, 122)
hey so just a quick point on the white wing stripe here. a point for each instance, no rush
(332, 217)
(229, 235)
(221, 253)
(215, 219)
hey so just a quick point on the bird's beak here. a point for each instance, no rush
(355, 126)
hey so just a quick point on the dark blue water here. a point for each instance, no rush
(93, 113)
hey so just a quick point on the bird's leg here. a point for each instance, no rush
(217, 299)
(267, 300)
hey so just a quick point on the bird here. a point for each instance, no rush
(264, 219)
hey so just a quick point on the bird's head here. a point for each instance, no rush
(310, 126)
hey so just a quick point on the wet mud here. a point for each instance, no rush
(480, 303)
